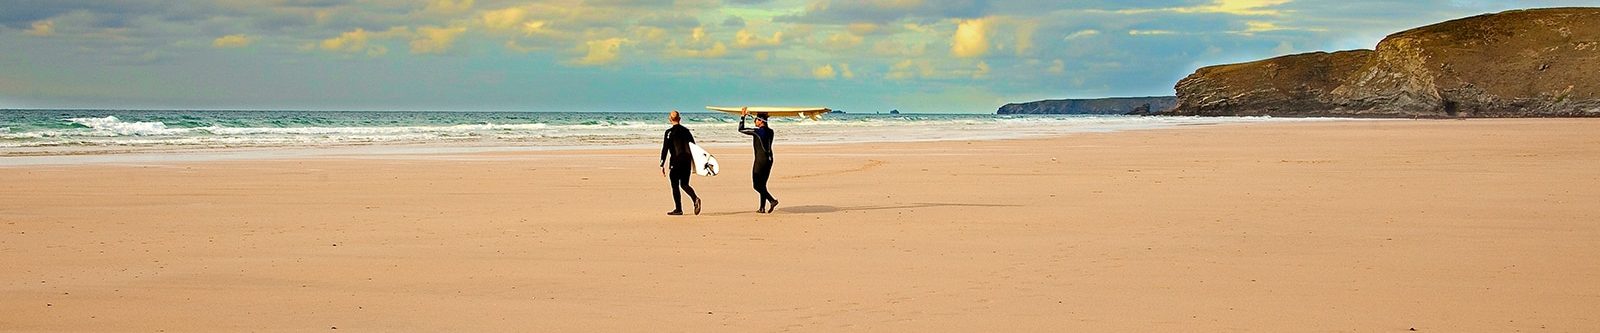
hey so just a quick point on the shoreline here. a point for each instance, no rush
(159, 154)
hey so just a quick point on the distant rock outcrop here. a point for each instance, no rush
(1521, 63)
(1115, 105)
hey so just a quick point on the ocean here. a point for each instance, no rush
(97, 132)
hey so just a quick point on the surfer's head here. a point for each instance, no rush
(761, 119)
(674, 117)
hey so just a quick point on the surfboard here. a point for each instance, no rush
(806, 112)
(704, 163)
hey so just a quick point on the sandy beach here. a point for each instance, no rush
(1436, 225)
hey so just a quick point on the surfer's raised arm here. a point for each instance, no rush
(746, 130)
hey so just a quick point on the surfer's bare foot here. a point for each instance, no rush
(675, 212)
(774, 207)
(696, 206)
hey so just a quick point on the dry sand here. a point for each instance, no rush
(1441, 226)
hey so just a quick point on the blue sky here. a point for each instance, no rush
(650, 55)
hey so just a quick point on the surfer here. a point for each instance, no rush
(762, 137)
(676, 143)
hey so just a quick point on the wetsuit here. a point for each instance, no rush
(762, 138)
(676, 145)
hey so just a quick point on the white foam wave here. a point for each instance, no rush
(111, 126)
(470, 128)
(112, 132)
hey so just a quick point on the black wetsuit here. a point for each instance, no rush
(762, 137)
(676, 144)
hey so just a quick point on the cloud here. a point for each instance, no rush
(505, 19)
(1086, 33)
(1254, 27)
(1041, 47)
(885, 11)
(531, 28)
(842, 40)
(448, 6)
(601, 52)
(824, 72)
(431, 39)
(1240, 7)
(359, 40)
(1137, 32)
(910, 69)
(862, 28)
(1232, 7)
(971, 38)
(717, 50)
(350, 41)
(745, 39)
(1024, 36)
(42, 28)
(231, 41)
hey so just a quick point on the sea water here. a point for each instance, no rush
(79, 132)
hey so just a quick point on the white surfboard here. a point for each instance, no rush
(804, 112)
(704, 163)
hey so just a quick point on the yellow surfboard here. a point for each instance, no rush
(771, 111)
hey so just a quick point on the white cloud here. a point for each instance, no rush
(42, 28)
(824, 72)
(601, 52)
(697, 34)
(231, 41)
(745, 39)
(971, 39)
(1024, 36)
(1086, 33)
(1233, 7)
(360, 40)
(531, 28)
(506, 19)
(1150, 32)
(350, 41)
(862, 28)
(448, 6)
(717, 50)
(842, 40)
(430, 39)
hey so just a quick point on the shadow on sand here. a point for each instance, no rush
(826, 209)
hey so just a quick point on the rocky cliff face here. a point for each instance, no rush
(1118, 105)
(1523, 63)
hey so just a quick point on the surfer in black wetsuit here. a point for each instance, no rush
(676, 144)
(762, 136)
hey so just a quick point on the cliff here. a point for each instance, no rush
(1521, 63)
(1117, 105)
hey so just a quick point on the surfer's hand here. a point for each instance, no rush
(663, 171)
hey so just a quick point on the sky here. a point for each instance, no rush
(944, 56)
